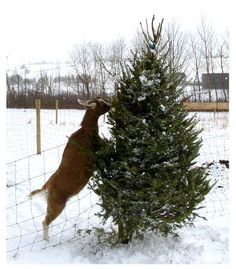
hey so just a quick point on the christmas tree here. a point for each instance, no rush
(146, 175)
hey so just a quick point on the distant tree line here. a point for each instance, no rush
(65, 89)
(96, 68)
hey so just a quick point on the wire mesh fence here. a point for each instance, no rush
(25, 215)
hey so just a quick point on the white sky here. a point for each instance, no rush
(39, 30)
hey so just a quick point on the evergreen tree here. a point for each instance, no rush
(147, 177)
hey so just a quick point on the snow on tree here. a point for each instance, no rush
(147, 178)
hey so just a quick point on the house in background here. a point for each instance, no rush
(215, 81)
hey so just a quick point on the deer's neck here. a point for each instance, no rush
(90, 121)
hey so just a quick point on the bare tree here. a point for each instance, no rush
(25, 71)
(117, 55)
(59, 79)
(102, 76)
(178, 46)
(44, 84)
(17, 80)
(83, 65)
(50, 86)
(196, 65)
(223, 52)
(111, 57)
(206, 34)
(137, 42)
(108, 61)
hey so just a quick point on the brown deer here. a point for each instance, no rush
(77, 164)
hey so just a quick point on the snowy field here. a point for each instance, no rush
(205, 243)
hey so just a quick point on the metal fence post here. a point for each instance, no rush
(56, 111)
(38, 129)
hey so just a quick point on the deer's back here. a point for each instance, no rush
(77, 163)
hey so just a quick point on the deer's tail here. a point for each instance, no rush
(35, 192)
(43, 189)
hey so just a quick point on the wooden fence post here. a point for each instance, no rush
(56, 111)
(38, 131)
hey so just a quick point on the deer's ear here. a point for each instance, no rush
(81, 102)
(87, 104)
(91, 105)
(103, 101)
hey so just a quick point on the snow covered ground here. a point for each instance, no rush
(205, 243)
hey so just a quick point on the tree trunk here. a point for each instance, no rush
(123, 236)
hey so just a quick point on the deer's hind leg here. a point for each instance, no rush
(55, 205)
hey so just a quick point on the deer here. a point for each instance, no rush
(77, 164)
